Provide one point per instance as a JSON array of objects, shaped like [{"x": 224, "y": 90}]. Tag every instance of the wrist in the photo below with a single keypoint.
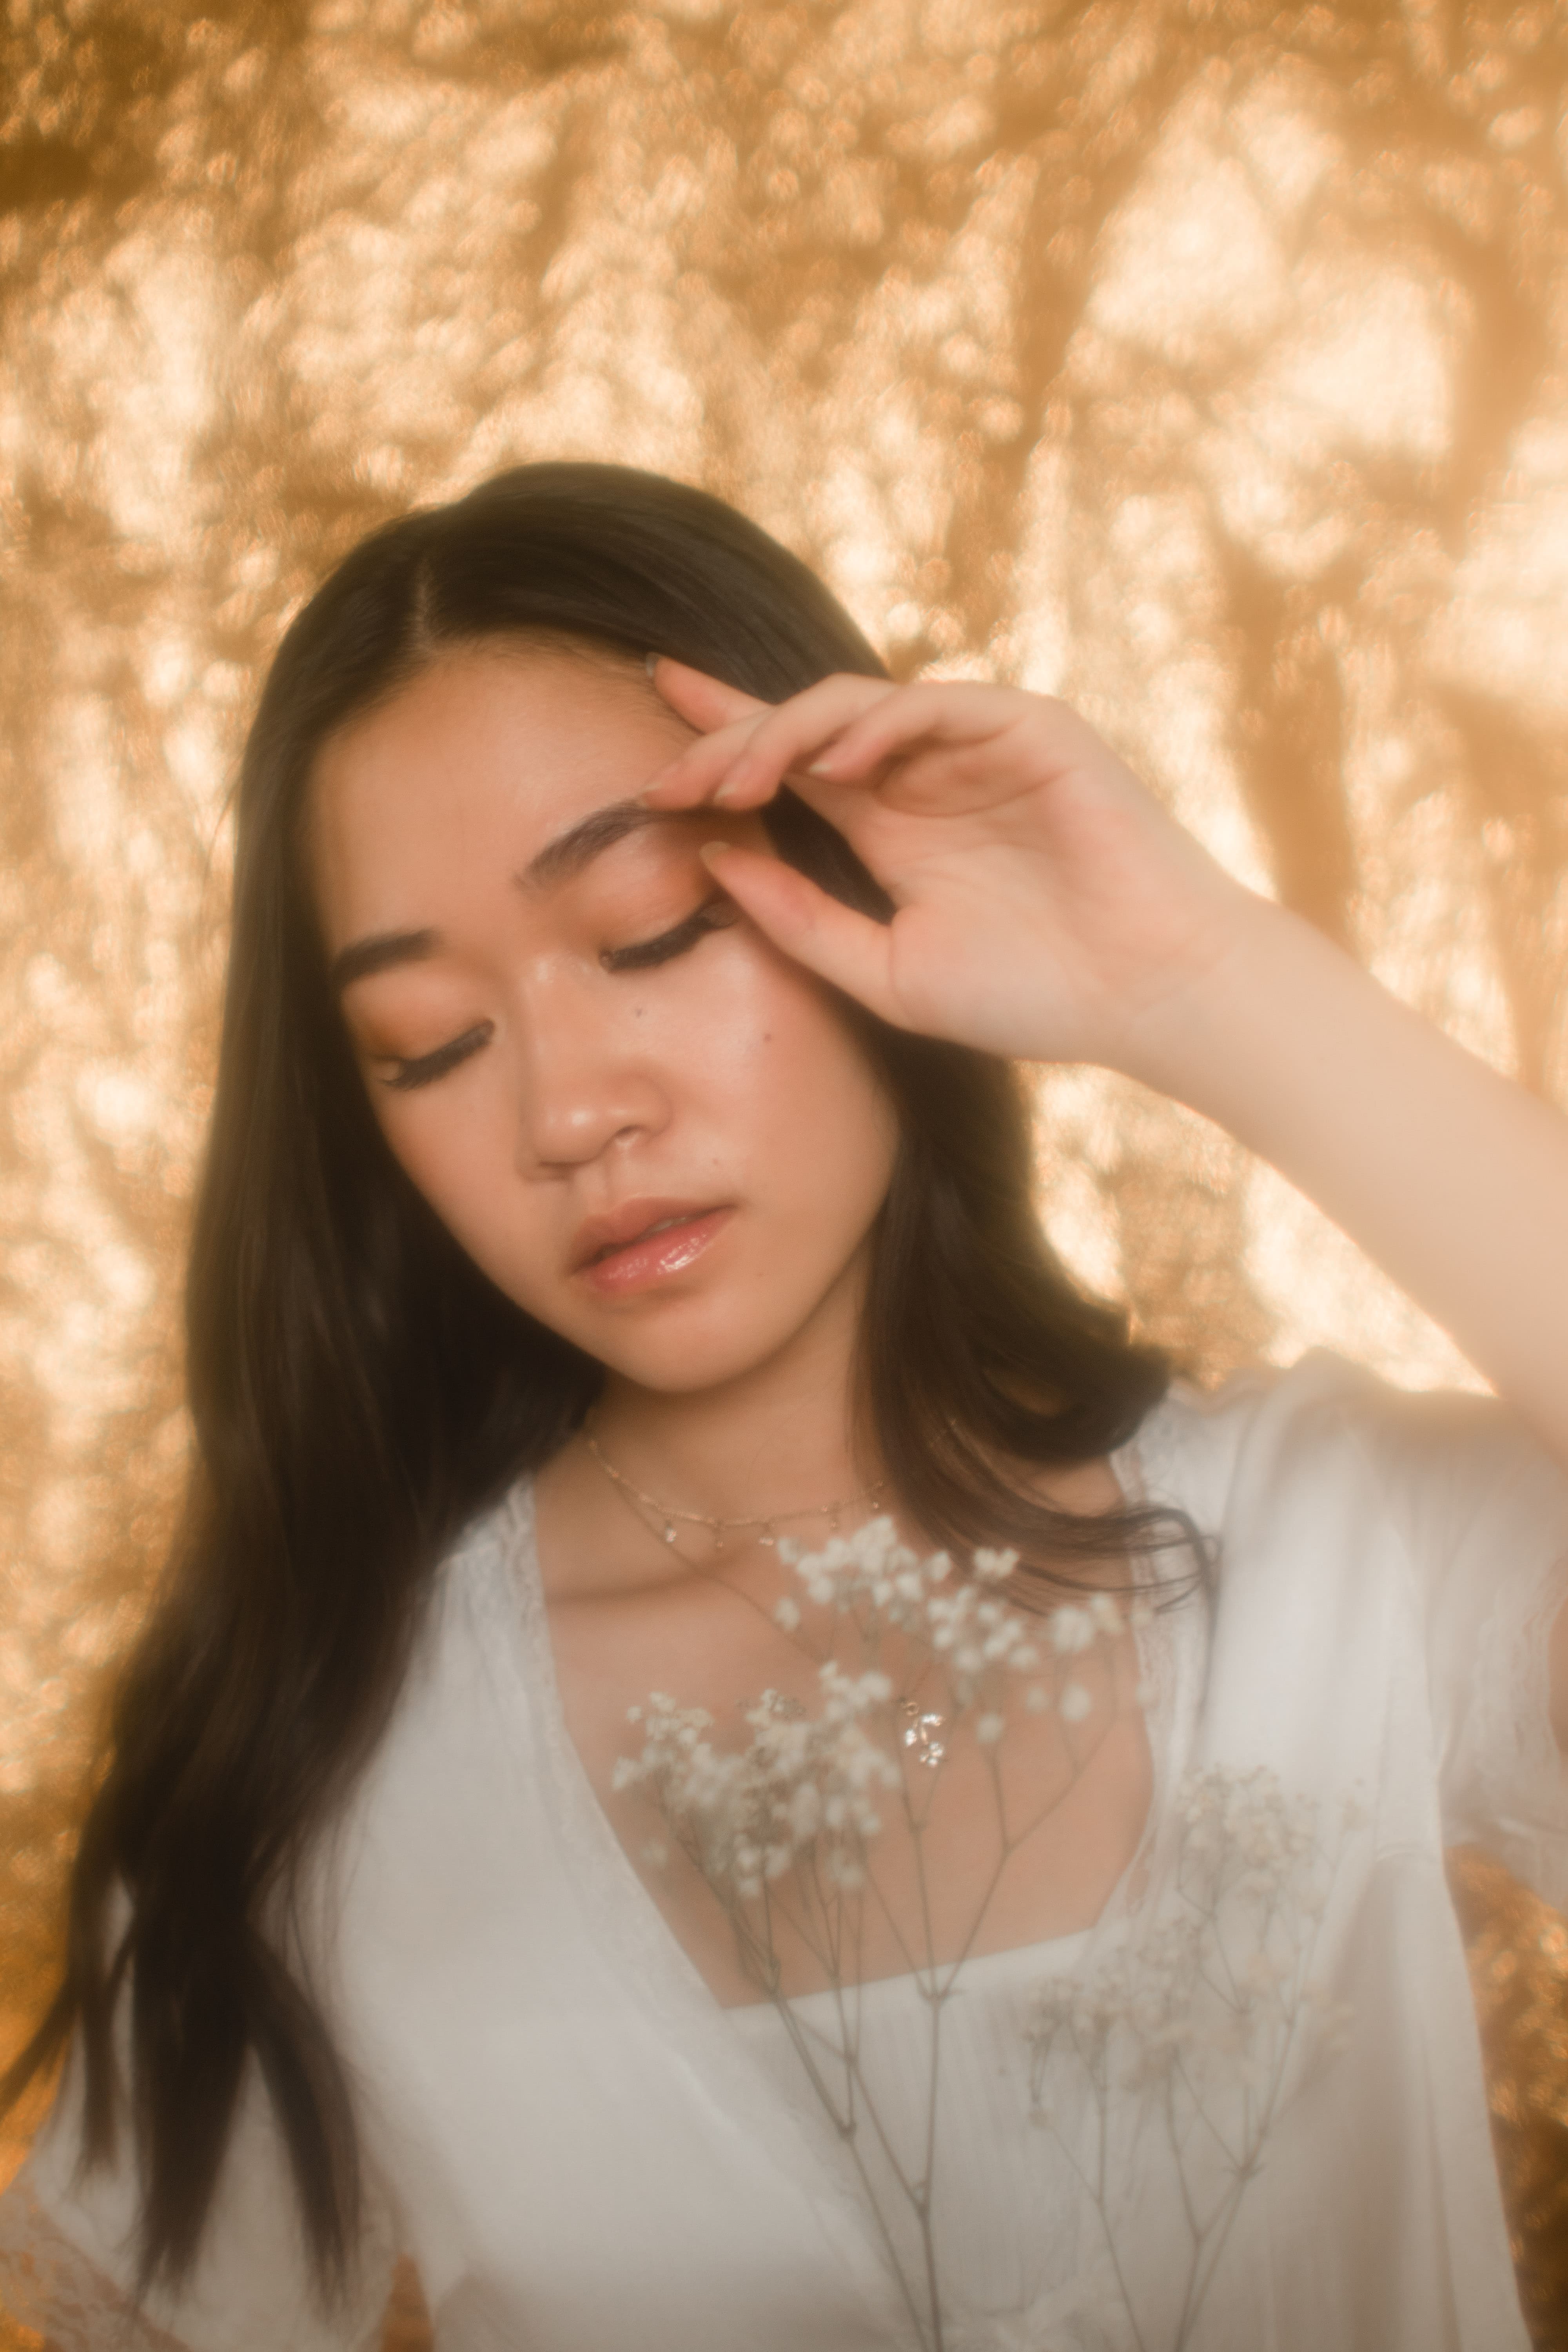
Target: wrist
[{"x": 1261, "y": 1007}]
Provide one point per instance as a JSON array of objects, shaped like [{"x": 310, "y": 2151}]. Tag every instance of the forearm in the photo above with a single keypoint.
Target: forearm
[{"x": 1453, "y": 1179}]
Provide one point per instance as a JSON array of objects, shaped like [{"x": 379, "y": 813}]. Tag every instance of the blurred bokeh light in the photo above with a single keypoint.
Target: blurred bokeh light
[{"x": 1201, "y": 361}]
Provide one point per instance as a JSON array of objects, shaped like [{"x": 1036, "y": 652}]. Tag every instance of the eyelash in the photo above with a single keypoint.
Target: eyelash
[{"x": 714, "y": 914}]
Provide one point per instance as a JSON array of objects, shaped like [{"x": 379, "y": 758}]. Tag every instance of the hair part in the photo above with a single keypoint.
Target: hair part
[{"x": 361, "y": 1391}]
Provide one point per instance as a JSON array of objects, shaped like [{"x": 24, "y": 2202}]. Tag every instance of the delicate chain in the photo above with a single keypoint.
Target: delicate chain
[
  {"x": 663, "y": 1518},
  {"x": 922, "y": 1727}
]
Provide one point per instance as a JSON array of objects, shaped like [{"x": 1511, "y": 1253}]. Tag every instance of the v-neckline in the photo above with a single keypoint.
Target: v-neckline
[{"x": 601, "y": 1860}]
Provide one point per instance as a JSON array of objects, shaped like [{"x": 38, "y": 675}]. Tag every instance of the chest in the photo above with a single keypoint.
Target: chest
[{"x": 981, "y": 1843}]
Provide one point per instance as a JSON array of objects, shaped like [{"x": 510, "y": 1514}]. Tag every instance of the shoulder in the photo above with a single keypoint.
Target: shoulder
[
  {"x": 1333, "y": 1429},
  {"x": 1212, "y": 1451},
  {"x": 1332, "y": 1474},
  {"x": 467, "y": 1627}
]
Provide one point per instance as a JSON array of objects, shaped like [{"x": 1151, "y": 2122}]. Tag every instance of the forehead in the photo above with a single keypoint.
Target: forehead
[{"x": 493, "y": 750}]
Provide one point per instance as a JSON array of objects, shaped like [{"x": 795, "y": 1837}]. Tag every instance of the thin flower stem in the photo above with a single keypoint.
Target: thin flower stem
[
  {"x": 1096, "y": 2194},
  {"x": 850, "y": 2139}
]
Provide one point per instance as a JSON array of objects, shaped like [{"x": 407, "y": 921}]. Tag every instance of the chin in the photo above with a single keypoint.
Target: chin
[
  {"x": 683, "y": 1355},
  {"x": 681, "y": 1371}
]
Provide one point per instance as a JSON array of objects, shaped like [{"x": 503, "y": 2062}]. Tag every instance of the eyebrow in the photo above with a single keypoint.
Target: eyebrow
[
  {"x": 379, "y": 952},
  {"x": 559, "y": 861}
]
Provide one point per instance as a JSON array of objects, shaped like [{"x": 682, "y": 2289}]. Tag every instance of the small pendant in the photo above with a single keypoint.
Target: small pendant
[
  {"x": 668, "y": 1532},
  {"x": 768, "y": 1538},
  {"x": 922, "y": 1735}
]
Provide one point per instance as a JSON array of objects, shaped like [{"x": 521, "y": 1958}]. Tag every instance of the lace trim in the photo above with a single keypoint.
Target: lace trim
[
  {"x": 1172, "y": 1650},
  {"x": 1515, "y": 1764},
  {"x": 48, "y": 2284},
  {"x": 629, "y": 1923}
]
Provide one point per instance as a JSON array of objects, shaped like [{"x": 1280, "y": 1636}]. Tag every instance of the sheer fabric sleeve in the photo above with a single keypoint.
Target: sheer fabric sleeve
[
  {"x": 48, "y": 2283},
  {"x": 1482, "y": 1512},
  {"x": 68, "y": 2265}
]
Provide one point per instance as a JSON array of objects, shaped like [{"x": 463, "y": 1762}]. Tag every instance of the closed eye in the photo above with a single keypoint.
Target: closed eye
[
  {"x": 715, "y": 915},
  {"x": 428, "y": 1067}
]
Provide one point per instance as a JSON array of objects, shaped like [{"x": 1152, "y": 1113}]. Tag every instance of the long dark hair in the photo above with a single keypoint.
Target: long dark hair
[{"x": 360, "y": 1390}]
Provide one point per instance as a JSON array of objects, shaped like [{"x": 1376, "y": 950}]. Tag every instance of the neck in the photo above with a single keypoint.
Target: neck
[{"x": 777, "y": 1440}]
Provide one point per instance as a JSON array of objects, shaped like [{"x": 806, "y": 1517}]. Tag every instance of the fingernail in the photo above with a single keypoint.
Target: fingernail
[{"x": 712, "y": 849}]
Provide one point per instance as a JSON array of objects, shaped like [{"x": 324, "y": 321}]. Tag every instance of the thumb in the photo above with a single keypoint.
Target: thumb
[{"x": 849, "y": 950}]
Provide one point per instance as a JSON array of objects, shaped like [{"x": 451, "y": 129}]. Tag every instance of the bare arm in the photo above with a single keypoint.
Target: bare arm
[{"x": 1452, "y": 1178}]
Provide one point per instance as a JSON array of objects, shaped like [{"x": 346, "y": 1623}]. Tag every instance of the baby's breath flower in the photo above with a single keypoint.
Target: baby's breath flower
[
  {"x": 786, "y": 1612},
  {"x": 1076, "y": 1702},
  {"x": 1072, "y": 1629},
  {"x": 988, "y": 1729},
  {"x": 995, "y": 1567}
]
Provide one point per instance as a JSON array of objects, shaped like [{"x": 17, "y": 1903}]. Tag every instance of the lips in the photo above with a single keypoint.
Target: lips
[{"x": 643, "y": 1242}]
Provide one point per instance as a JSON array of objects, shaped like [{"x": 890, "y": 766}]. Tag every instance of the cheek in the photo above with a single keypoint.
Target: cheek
[
  {"x": 456, "y": 1146},
  {"x": 782, "y": 1064}
]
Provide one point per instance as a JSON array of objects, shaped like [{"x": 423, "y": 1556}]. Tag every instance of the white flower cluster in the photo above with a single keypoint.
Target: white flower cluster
[
  {"x": 1242, "y": 1837},
  {"x": 970, "y": 1630},
  {"x": 1218, "y": 1973},
  {"x": 807, "y": 1783},
  {"x": 1197, "y": 2028},
  {"x": 803, "y": 1783}
]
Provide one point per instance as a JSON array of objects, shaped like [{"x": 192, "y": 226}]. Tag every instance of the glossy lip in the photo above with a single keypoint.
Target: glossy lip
[{"x": 619, "y": 1252}]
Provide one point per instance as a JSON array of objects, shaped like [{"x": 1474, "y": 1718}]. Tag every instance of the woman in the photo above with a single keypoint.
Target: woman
[{"x": 614, "y": 1169}]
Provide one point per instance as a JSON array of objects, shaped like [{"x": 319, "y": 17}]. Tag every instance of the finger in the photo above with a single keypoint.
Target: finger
[
  {"x": 727, "y": 769},
  {"x": 696, "y": 773},
  {"x": 704, "y": 702},
  {"x": 790, "y": 737},
  {"x": 967, "y": 718},
  {"x": 849, "y": 950}
]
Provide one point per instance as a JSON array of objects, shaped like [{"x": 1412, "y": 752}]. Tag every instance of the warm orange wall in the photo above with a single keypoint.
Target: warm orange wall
[{"x": 1205, "y": 363}]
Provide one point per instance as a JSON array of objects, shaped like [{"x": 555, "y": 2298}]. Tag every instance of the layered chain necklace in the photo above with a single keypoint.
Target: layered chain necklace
[
  {"x": 921, "y": 1728},
  {"x": 665, "y": 1521}
]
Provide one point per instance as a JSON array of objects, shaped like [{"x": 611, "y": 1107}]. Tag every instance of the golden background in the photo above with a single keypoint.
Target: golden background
[{"x": 1201, "y": 361}]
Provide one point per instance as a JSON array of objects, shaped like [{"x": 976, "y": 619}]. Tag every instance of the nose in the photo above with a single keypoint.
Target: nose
[{"x": 584, "y": 1089}]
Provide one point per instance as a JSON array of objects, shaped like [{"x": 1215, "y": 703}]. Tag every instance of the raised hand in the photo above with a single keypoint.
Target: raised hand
[{"x": 1046, "y": 905}]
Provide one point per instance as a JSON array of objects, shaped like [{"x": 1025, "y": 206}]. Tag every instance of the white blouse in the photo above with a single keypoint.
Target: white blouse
[{"x": 583, "y": 2150}]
